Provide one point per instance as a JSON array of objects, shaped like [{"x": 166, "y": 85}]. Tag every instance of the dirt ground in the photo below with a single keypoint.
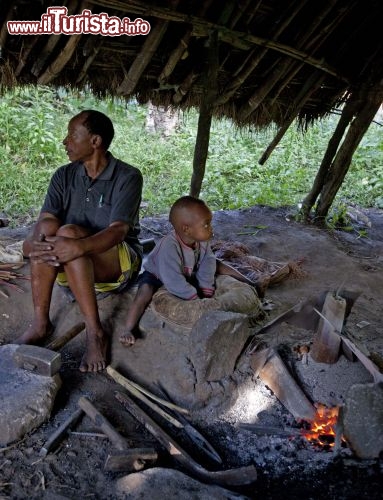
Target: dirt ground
[{"x": 286, "y": 468}]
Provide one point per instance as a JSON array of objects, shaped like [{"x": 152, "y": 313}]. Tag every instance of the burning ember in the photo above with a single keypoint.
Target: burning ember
[{"x": 322, "y": 430}]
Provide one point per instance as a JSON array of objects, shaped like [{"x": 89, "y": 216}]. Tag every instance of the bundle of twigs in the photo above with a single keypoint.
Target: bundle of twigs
[{"x": 8, "y": 275}]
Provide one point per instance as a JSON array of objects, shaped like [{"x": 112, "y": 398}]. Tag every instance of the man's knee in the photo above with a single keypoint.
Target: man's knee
[{"x": 72, "y": 231}]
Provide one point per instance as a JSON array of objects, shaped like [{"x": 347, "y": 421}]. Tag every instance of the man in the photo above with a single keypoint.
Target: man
[{"x": 86, "y": 236}]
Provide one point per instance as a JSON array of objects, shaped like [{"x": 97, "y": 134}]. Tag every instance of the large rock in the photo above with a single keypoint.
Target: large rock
[
  {"x": 192, "y": 348},
  {"x": 160, "y": 483},
  {"x": 26, "y": 398},
  {"x": 363, "y": 419}
]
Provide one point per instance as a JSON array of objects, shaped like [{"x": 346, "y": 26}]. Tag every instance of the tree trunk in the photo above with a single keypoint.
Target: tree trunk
[{"x": 342, "y": 161}]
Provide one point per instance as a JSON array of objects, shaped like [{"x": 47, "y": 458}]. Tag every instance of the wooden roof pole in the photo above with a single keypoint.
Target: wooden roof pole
[
  {"x": 311, "y": 86},
  {"x": 64, "y": 56},
  {"x": 4, "y": 30},
  {"x": 52, "y": 42},
  {"x": 342, "y": 160},
  {"x": 232, "y": 88},
  {"x": 180, "y": 49},
  {"x": 260, "y": 94},
  {"x": 348, "y": 112},
  {"x": 194, "y": 74},
  {"x": 185, "y": 86},
  {"x": 315, "y": 43},
  {"x": 144, "y": 57},
  {"x": 241, "y": 10},
  {"x": 58, "y": 64},
  {"x": 25, "y": 54},
  {"x": 205, "y": 116},
  {"x": 92, "y": 48},
  {"x": 202, "y": 27}
]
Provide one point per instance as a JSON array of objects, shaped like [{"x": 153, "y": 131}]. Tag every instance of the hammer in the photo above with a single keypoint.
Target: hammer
[{"x": 45, "y": 360}]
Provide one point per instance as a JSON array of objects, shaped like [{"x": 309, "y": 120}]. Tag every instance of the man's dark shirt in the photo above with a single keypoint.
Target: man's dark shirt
[{"x": 115, "y": 195}]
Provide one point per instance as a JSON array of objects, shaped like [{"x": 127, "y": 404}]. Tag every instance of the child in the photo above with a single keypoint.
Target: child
[{"x": 182, "y": 261}]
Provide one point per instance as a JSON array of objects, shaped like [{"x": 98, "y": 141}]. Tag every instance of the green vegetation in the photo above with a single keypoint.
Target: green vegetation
[{"x": 33, "y": 123}]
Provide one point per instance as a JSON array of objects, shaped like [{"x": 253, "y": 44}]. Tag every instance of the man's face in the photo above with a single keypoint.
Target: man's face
[{"x": 79, "y": 142}]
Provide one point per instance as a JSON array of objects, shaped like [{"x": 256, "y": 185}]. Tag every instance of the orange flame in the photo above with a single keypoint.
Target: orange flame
[{"x": 324, "y": 424}]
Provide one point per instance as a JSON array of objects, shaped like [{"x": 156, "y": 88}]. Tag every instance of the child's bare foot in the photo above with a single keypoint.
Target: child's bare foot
[
  {"x": 35, "y": 334},
  {"x": 127, "y": 339},
  {"x": 94, "y": 358}
]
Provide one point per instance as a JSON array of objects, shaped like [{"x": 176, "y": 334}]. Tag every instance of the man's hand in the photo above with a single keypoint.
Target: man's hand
[
  {"x": 64, "y": 249},
  {"x": 42, "y": 251}
]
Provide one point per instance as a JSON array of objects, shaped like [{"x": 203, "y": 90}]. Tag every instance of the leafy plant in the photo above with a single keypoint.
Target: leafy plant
[{"x": 33, "y": 124}]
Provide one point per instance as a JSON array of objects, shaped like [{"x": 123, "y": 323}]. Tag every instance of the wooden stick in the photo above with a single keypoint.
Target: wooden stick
[
  {"x": 59, "y": 63},
  {"x": 251, "y": 66},
  {"x": 57, "y": 436},
  {"x": 58, "y": 343},
  {"x": 101, "y": 422},
  {"x": 234, "y": 477},
  {"x": 131, "y": 460},
  {"x": 366, "y": 362},
  {"x": 145, "y": 55},
  {"x": 202, "y": 27},
  {"x": 128, "y": 384},
  {"x": 275, "y": 375}
]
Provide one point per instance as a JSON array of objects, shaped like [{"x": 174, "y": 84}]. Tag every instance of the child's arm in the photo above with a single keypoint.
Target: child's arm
[
  {"x": 206, "y": 271},
  {"x": 166, "y": 262}
]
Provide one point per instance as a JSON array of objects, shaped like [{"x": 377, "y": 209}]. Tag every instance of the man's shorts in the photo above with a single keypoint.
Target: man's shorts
[{"x": 130, "y": 264}]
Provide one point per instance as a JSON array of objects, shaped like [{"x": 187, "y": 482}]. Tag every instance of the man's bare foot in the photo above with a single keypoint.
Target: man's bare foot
[
  {"x": 35, "y": 334},
  {"x": 94, "y": 359},
  {"x": 127, "y": 339}
]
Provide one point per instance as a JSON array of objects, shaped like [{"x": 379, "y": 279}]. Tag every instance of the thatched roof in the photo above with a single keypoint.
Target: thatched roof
[{"x": 255, "y": 61}]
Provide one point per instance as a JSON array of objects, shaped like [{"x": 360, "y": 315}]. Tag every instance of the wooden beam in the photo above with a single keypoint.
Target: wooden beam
[
  {"x": 305, "y": 41},
  {"x": 348, "y": 111},
  {"x": 144, "y": 57},
  {"x": 342, "y": 160},
  {"x": 91, "y": 49},
  {"x": 311, "y": 86},
  {"x": 202, "y": 27},
  {"x": 24, "y": 53},
  {"x": 60, "y": 62},
  {"x": 327, "y": 341},
  {"x": 181, "y": 48},
  {"x": 205, "y": 116},
  {"x": 185, "y": 86},
  {"x": 268, "y": 365},
  {"x": 52, "y": 41},
  {"x": 4, "y": 29},
  {"x": 248, "y": 69}
]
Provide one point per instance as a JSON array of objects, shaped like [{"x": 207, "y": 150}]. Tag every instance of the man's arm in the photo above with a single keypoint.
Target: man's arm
[{"x": 66, "y": 249}]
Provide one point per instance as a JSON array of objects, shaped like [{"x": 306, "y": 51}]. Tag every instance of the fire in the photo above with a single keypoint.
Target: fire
[{"x": 322, "y": 430}]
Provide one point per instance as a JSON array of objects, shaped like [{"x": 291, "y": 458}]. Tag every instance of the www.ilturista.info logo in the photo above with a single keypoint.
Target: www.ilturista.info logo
[{"x": 56, "y": 21}]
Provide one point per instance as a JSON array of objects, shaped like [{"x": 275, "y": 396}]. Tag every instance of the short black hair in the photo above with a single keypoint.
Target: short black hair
[
  {"x": 100, "y": 124},
  {"x": 185, "y": 203}
]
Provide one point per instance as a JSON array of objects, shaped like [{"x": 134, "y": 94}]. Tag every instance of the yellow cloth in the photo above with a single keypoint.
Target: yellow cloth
[{"x": 129, "y": 263}]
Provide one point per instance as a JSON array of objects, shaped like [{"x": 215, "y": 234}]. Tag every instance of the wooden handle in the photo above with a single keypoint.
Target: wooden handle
[
  {"x": 58, "y": 343},
  {"x": 101, "y": 422},
  {"x": 59, "y": 434}
]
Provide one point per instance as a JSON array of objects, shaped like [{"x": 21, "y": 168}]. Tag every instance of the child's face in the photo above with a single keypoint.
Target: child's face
[{"x": 201, "y": 228}]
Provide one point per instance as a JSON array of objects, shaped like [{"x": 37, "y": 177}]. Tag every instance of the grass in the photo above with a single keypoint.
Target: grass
[{"x": 33, "y": 123}]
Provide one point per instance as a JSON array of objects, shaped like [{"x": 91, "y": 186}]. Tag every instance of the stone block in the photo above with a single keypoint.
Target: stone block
[
  {"x": 363, "y": 419},
  {"x": 26, "y": 398}
]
